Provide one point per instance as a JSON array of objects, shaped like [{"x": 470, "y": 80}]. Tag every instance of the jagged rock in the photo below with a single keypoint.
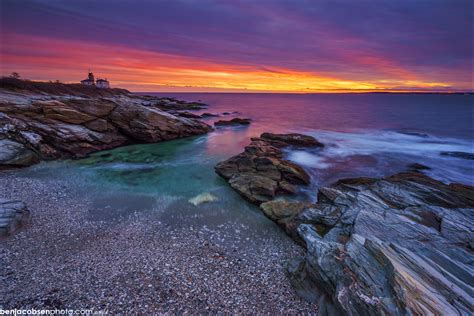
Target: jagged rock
[
  {"x": 13, "y": 216},
  {"x": 260, "y": 172},
  {"x": 400, "y": 245},
  {"x": 168, "y": 104},
  {"x": 281, "y": 209},
  {"x": 292, "y": 139},
  {"x": 234, "y": 121},
  {"x": 283, "y": 213},
  {"x": 71, "y": 126},
  {"x": 189, "y": 115},
  {"x": 14, "y": 154},
  {"x": 203, "y": 115},
  {"x": 230, "y": 113}
]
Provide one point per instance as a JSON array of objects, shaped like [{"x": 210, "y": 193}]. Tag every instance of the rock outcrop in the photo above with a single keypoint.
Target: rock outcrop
[
  {"x": 13, "y": 216},
  {"x": 14, "y": 155},
  {"x": 234, "y": 121},
  {"x": 36, "y": 126},
  {"x": 207, "y": 114},
  {"x": 298, "y": 140},
  {"x": 260, "y": 172},
  {"x": 188, "y": 115},
  {"x": 400, "y": 245}
]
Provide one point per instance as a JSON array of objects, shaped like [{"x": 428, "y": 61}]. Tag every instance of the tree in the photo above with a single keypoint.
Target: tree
[{"x": 15, "y": 75}]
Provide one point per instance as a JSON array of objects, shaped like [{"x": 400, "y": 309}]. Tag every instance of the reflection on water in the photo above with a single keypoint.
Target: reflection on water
[{"x": 365, "y": 135}]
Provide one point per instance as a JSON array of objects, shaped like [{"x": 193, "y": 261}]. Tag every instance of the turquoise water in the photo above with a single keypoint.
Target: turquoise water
[
  {"x": 158, "y": 180},
  {"x": 363, "y": 137}
]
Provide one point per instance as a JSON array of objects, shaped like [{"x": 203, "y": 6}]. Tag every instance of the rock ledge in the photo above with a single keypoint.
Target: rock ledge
[
  {"x": 260, "y": 172},
  {"x": 397, "y": 245}
]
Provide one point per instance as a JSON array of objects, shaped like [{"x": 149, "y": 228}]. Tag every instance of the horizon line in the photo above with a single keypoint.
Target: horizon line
[{"x": 247, "y": 91}]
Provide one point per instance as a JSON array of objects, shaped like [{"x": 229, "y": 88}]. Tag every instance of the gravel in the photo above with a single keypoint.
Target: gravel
[{"x": 137, "y": 264}]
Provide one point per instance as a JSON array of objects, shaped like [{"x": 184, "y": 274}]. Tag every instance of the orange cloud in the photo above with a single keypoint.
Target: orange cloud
[{"x": 40, "y": 58}]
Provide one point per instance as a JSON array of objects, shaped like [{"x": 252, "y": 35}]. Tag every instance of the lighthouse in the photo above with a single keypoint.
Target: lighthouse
[
  {"x": 90, "y": 81},
  {"x": 100, "y": 83}
]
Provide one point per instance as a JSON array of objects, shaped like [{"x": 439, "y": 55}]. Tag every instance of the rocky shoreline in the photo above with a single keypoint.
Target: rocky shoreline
[
  {"x": 398, "y": 245},
  {"x": 64, "y": 259},
  {"x": 36, "y": 125},
  {"x": 260, "y": 173},
  {"x": 401, "y": 244}
]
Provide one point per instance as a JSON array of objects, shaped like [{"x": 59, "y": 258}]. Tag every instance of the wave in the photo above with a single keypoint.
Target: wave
[
  {"x": 378, "y": 152},
  {"x": 370, "y": 142}
]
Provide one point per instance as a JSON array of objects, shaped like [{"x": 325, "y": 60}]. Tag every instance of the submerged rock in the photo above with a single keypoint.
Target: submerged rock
[
  {"x": 202, "y": 198},
  {"x": 292, "y": 139},
  {"x": 171, "y": 104},
  {"x": 203, "y": 115},
  {"x": 230, "y": 113},
  {"x": 418, "y": 167},
  {"x": 458, "y": 154},
  {"x": 234, "y": 121},
  {"x": 71, "y": 126},
  {"x": 13, "y": 216},
  {"x": 260, "y": 172},
  {"x": 398, "y": 245}
]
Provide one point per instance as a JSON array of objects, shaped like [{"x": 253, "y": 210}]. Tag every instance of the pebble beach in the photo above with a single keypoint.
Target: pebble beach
[{"x": 136, "y": 264}]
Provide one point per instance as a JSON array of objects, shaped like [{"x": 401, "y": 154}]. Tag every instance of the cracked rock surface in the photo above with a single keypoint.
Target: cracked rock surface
[
  {"x": 260, "y": 173},
  {"x": 13, "y": 216},
  {"x": 44, "y": 126},
  {"x": 397, "y": 245}
]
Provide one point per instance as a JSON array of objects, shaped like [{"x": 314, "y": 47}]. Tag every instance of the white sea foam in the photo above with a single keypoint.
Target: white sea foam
[
  {"x": 373, "y": 142},
  {"x": 308, "y": 159},
  {"x": 389, "y": 151}
]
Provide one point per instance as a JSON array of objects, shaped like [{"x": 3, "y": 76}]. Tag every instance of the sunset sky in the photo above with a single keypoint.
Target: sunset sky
[{"x": 263, "y": 45}]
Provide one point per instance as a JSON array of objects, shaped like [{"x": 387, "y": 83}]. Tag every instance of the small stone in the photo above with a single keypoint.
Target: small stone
[{"x": 203, "y": 198}]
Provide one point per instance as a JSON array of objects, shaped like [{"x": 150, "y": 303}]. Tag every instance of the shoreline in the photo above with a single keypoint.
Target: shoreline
[
  {"x": 65, "y": 260},
  {"x": 145, "y": 262}
]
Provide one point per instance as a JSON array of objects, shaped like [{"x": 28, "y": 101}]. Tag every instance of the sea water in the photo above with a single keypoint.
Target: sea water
[{"x": 372, "y": 135}]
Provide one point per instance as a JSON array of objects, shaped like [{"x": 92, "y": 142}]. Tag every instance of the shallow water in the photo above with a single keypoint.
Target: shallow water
[{"x": 365, "y": 135}]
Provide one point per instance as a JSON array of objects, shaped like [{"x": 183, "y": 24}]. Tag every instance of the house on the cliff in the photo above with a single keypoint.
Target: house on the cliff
[
  {"x": 90, "y": 81},
  {"x": 100, "y": 83}
]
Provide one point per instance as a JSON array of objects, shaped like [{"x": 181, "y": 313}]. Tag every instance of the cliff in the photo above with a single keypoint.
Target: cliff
[{"x": 44, "y": 121}]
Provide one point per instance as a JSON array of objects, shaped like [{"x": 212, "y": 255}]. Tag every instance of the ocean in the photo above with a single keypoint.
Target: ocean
[
  {"x": 365, "y": 134},
  {"x": 371, "y": 135}
]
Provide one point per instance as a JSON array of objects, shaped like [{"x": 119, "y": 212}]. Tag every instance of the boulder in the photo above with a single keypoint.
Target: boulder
[
  {"x": 234, "y": 121},
  {"x": 292, "y": 139},
  {"x": 255, "y": 188},
  {"x": 400, "y": 245},
  {"x": 230, "y": 113},
  {"x": 65, "y": 126},
  {"x": 207, "y": 114},
  {"x": 281, "y": 209},
  {"x": 203, "y": 198},
  {"x": 260, "y": 173},
  {"x": 14, "y": 154},
  {"x": 13, "y": 216}
]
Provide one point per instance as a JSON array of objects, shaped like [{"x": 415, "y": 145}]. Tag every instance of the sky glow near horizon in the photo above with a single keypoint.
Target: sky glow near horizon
[{"x": 224, "y": 46}]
